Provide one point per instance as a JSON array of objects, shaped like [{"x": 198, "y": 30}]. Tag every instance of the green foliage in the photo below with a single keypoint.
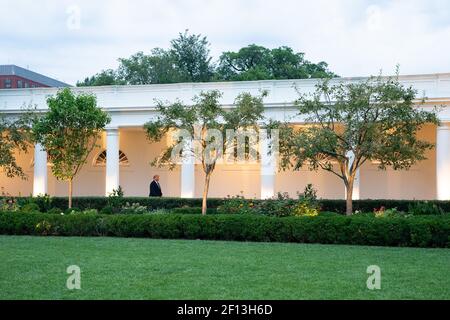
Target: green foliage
[
  {"x": 385, "y": 213},
  {"x": 304, "y": 209},
  {"x": 236, "y": 205},
  {"x": 281, "y": 206},
  {"x": 69, "y": 132},
  {"x": 188, "y": 59},
  {"x": 108, "y": 210},
  {"x": 118, "y": 193},
  {"x": 14, "y": 137},
  {"x": 30, "y": 207},
  {"x": 104, "y": 78},
  {"x": 413, "y": 231},
  {"x": 72, "y": 211},
  {"x": 134, "y": 208},
  {"x": 44, "y": 202},
  {"x": 90, "y": 211},
  {"x": 55, "y": 211},
  {"x": 191, "y": 210},
  {"x": 185, "y": 205},
  {"x": 9, "y": 204},
  {"x": 115, "y": 199},
  {"x": 192, "y": 57},
  {"x": 352, "y": 123},
  {"x": 424, "y": 208},
  {"x": 155, "y": 68},
  {"x": 259, "y": 63},
  {"x": 157, "y": 211},
  {"x": 43, "y": 228},
  {"x": 195, "y": 123}
]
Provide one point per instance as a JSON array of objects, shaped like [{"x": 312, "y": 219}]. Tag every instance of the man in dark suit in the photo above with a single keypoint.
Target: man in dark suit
[{"x": 155, "y": 187}]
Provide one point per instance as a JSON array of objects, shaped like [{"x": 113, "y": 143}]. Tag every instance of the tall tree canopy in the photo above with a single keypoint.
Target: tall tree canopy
[
  {"x": 352, "y": 123},
  {"x": 104, "y": 78},
  {"x": 259, "y": 63},
  {"x": 188, "y": 59},
  {"x": 158, "y": 67},
  {"x": 192, "y": 57},
  {"x": 69, "y": 132}
]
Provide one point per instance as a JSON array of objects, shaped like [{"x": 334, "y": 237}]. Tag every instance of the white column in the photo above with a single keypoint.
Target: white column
[
  {"x": 443, "y": 161},
  {"x": 40, "y": 171},
  {"x": 112, "y": 160},
  {"x": 356, "y": 186},
  {"x": 188, "y": 173},
  {"x": 268, "y": 154}
]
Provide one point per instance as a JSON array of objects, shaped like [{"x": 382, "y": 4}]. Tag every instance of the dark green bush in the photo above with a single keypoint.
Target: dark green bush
[
  {"x": 151, "y": 203},
  {"x": 107, "y": 210},
  {"x": 424, "y": 208},
  {"x": 190, "y": 210},
  {"x": 413, "y": 231},
  {"x": 30, "y": 207},
  {"x": 337, "y": 206},
  {"x": 72, "y": 210}
]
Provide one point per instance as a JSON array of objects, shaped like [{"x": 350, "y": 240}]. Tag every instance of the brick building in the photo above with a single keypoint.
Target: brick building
[{"x": 13, "y": 77}]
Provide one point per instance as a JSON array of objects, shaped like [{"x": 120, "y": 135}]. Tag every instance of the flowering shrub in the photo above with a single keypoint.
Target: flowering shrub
[
  {"x": 236, "y": 205},
  {"x": 304, "y": 209},
  {"x": 281, "y": 206},
  {"x": 9, "y": 204},
  {"x": 382, "y": 212},
  {"x": 134, "y": 208},
  {"x": 44, "y": 228}
]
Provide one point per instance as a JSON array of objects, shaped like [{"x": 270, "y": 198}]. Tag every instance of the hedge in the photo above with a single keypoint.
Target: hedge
[
  {"x": 99, "y": 203},
  {"x": 414, "y": 231},
  {"x": 337, "y": 206}
]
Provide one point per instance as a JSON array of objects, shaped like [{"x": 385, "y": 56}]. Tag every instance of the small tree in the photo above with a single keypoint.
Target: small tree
[
  {"x": 203, "y": 128},
  {"x": 351, "y": 123},
  {"x": 69, "y": 132},
  {"x": 14, "y": 136}
]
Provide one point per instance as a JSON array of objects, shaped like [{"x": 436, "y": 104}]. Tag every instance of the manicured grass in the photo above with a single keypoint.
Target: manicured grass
[{"x": 115, "y": 268}]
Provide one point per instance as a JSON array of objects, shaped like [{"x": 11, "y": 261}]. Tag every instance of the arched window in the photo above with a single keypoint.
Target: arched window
[{"x": 100, "y": 160}]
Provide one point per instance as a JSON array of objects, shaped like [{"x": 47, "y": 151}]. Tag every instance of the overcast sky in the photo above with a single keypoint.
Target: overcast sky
[{"x": 70, "y": 40}]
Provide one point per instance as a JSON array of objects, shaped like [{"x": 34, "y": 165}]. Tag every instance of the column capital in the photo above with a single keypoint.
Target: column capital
[
  {"x": 444, "y": 126},
  {"x": 112, "y": 130}
]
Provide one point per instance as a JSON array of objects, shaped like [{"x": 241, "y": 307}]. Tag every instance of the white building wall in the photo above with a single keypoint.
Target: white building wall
[{"x": 132, "y": 106}]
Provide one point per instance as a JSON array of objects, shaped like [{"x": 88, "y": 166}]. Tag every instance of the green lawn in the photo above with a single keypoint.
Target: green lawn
[{"x": 113, "y": 268}]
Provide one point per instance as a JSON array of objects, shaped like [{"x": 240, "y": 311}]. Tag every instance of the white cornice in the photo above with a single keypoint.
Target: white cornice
[{"x": 139, "y": 101}]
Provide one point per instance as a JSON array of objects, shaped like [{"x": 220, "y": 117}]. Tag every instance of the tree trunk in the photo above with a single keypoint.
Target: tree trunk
[
  {"x": 349, "y": 199},
  {"x": 70, "y": 193},
  {"x": 205, "y": 193}
]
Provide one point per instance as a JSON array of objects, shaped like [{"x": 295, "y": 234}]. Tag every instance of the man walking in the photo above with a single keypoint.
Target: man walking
[{"x": 155, "y": 187}]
